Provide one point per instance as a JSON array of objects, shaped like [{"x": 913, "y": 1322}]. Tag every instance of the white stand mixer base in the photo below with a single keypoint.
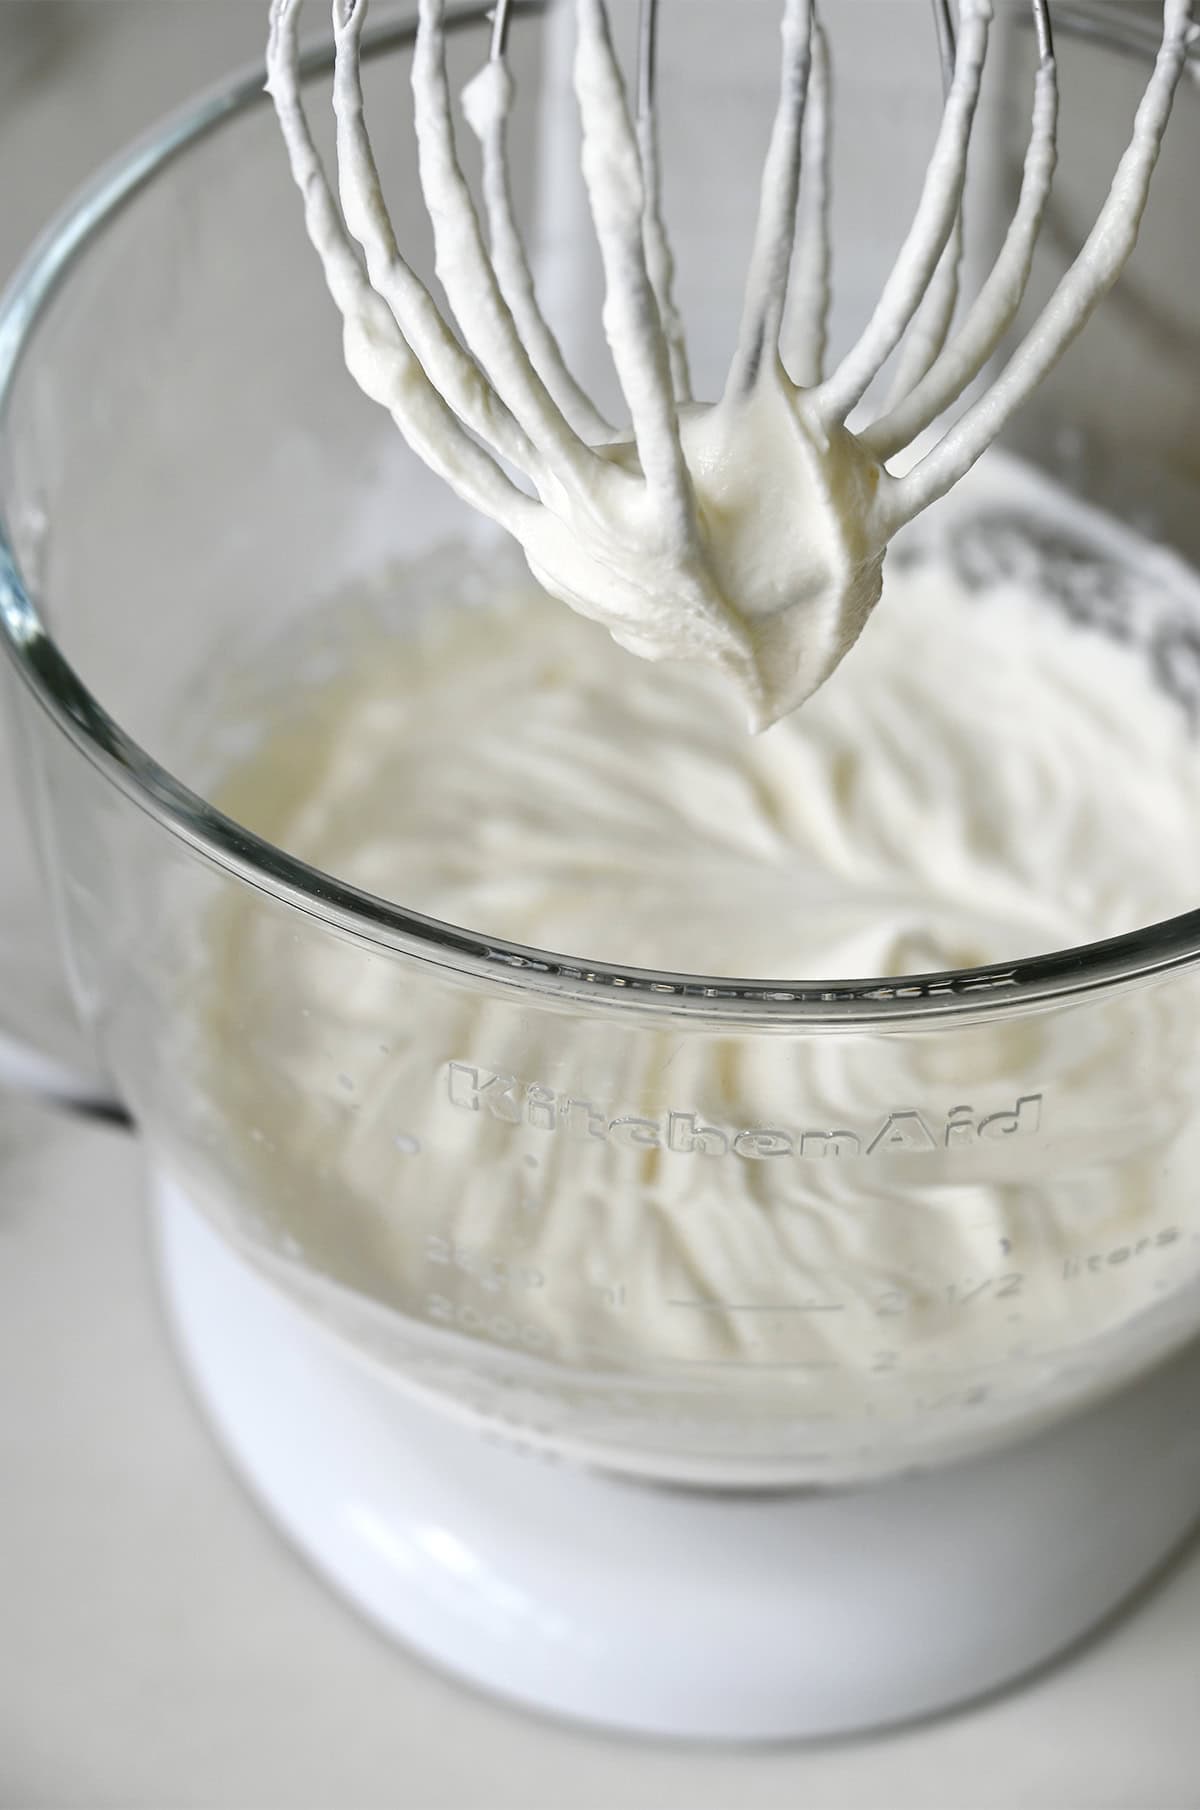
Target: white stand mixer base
[{"x": 667, "y": 1612}]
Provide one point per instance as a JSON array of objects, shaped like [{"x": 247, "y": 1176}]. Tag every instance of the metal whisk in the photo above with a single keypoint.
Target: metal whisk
[{"x": 619, "y": 523}]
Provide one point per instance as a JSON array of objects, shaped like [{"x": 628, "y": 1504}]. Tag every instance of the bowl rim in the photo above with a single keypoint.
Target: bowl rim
[{"x": 874, "y": 1003}]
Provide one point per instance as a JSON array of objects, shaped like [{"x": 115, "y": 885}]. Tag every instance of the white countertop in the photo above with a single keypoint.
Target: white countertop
[{"x": 159, "y": 1645}]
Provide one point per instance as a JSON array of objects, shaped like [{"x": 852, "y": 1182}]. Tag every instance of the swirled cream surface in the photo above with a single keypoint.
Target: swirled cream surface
[{"x": 869, "y": 1226}]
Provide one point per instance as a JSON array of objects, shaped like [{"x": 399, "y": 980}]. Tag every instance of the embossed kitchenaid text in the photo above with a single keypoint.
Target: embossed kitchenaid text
[{"x": 905, "y": 1131}]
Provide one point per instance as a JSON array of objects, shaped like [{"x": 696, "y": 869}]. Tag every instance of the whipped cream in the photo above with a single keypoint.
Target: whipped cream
[{"x": 862, "y": 1229}]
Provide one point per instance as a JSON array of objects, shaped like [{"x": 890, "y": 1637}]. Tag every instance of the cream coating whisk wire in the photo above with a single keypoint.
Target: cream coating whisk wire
[{"x": 749, "y": 532}]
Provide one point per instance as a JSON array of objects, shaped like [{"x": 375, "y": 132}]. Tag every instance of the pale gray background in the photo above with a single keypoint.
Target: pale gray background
[{"x": 159, "y": 1647}]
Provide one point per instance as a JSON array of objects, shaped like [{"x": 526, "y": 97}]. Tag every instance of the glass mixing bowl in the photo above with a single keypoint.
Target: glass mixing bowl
[{"x": 187, "y": 476}]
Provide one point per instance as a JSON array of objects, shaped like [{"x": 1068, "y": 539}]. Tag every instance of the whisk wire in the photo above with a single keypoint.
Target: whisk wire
[
  {"x": 647, "y": 71},
  {"x": 931, "y": 324},
  {"x": 613, "y": 177},
  {"x": 501, "y": 19},
  {"x": 1000, "y": 296},
  {"x": 1100, "y": 262},
  {"x": 488, "y": 104},
  {"x": 377, "y": 351},
  {"x": 467, "y": 274},
  {"x": 933, "y": 223},
  {"x": 452, "y": 371},
  {"x": 943, "y": 21},
  {"x": 804, "y": 338},
  {"x": 660, "y": 261},
  {"x": 774, "y": 236}
]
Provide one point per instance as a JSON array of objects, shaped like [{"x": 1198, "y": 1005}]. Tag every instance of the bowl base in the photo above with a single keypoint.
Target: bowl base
[{"x": 663, "y": 1611}]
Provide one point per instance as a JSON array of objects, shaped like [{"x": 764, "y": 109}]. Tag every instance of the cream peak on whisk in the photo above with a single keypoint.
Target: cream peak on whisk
[{"x": 749, "y": 532}]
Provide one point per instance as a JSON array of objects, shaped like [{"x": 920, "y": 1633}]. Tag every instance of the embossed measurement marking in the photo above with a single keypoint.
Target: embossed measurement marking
[{"x": 761, "y": 1307}]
